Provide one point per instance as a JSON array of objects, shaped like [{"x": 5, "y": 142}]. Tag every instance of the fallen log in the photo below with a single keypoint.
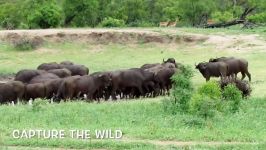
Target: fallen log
[{"x": 241, "y": 20}]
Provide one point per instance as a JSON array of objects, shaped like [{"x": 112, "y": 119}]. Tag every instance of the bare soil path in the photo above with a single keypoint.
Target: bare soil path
[{"x": 153, "y": 142}]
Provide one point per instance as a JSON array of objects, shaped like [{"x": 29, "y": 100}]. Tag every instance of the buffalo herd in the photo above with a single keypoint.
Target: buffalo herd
[{"x": 66, "y": 80}]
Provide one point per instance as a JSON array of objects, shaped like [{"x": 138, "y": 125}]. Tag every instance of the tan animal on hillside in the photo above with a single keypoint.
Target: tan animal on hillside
[
  {"x": 210, "y": 21},
  {"x": 163, "y": 24},
  {"x": 171, "y": 24}
]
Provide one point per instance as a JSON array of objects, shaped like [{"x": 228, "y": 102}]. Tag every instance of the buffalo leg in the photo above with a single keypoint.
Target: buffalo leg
[
  {"x": 249, "y": 76},
  {"x": 243, "y": 75}
]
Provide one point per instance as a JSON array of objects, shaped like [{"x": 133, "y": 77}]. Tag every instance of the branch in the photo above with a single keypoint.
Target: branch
[{"x": 241, "y": 19}]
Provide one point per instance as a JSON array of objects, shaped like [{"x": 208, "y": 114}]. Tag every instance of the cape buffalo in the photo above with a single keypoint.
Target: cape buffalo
[
  {"x": 11, "y": 91},
  {"x": 62, "y": 73},
  {"x": 163, "y": 74},
  {"x": 26, "y": 75},
  {"x": 235, "y": 65},
  {"x": 43, "y": 77},
  {"x": 66, "y": 63},
  {"x": 78, "y": 86},
  {"x": 52, "y": 87},
  {"x": 36, "y": 90},
  {"x": 67, "y": 88},
  {"x": 242, "y": 85},
  {"x": 49, "y": 66},
  {"x": 172, "y": 60},
  {"x": 213, "y": 69},
  {"x": 77, "y": 69},
  {"x": 146, "y": 66}
]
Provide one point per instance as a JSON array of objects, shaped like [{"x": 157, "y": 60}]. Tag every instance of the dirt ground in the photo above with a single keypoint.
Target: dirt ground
[
  {"x": 221, "y": 41},
  {"x": 154, "y": 142}
]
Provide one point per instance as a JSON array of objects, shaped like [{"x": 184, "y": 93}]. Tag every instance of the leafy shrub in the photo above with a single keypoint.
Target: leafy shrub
[
  {"x": 45, "y": 16},
  {"x": 112, "y": 22},
  {"x": 204, "y": 106},
  {"x": 23, "y": 26},
  {"x": 222, "y": 16},
  {"x": 9, "y": 15},
  {"x": 80, "y": 13},
  {"x": 258, "y": 18},
  {"x": 24, "y": 43},
  {"x": 211, "y": 89},
  {"x": 9, "y": 23},
  {"x": 232, "y": 95},
  {"x": 207, "y": 101},
  {"x": 181, "y": 91}
]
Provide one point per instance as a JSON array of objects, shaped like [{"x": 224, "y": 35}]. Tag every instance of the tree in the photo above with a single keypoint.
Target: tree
[
  {"x": 135, "y": 10},
  {"x": 42, "y": 14},
  {"x": 162, "y": 10},
  {"x": 81, "y": 12},
  {"x": 248, "y": 7},
  {"x": 196, "y": 12},
  {"x": 10, "y": 15}
]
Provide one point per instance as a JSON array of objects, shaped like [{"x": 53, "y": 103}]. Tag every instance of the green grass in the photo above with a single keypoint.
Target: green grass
[{"x": 138, "y": 119}]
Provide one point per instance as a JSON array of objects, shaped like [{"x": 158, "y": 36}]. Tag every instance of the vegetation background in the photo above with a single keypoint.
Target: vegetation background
[{"x": 31, "y": 14}]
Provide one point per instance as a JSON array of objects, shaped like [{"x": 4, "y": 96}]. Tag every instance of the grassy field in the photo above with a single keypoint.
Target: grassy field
[
  {"x": 138, "y": 119},
  {"x": 144, "y": 120}
]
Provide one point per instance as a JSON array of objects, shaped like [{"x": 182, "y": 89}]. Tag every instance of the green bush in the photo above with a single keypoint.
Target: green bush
[
  {"x": 232, "y": 96},
  {"x": 181, "y": 93},
  {"x": 81, "y": 13},
  {"x": 112, "y": 22},
  {"x": 211, "y": 89},
  {"x": 204, "y": 106},
  {"x": 207, "y": 101},
  {"x": 9, "y": 15},
  {"x": 258, "y": 18},
  {"x": 222, "y": 16},
  {"x": 23, "y": 26},
  {"x": 45, "y": 16}
]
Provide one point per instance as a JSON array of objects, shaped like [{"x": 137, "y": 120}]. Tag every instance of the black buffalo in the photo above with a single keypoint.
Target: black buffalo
[
  {"x": 67, "y": 62},
  {"x": 49, "y": 66},
  {"x": 26, "y": 75},
  {"x": 77, "y": 69},
  {"x": 11, "y": 91},
  {"x": 43, "y": 77},
  {"x": 213, "y": 69},
  {"x": 235, "y": 65},
  {"x": 36, "y": 90},
  {"x": 62, "y": 73}
]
